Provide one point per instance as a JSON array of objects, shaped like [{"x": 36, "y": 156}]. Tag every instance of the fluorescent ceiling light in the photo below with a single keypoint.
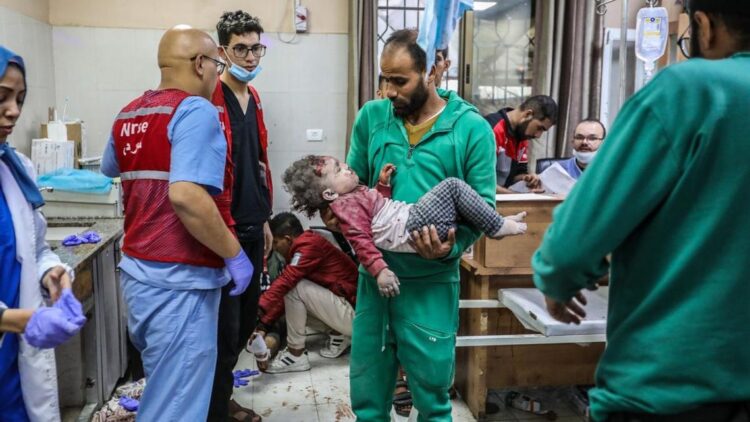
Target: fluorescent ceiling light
[{"x": 483, "y": 5}]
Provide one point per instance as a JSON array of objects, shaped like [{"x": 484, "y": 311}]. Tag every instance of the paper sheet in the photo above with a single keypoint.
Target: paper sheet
[
  {"x": 556, "y": 180},
  {"x": 519, "y": 187}
]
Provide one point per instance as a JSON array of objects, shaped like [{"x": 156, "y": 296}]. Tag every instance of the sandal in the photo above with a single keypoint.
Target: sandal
[
  {"x": 453, "y": 393},
  {"x": 243, "y": 414},
  {"x": 402, "y": 401}
]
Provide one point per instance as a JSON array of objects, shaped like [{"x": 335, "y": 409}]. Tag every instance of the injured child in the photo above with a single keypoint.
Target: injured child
[{"x": 370, "y": 219}]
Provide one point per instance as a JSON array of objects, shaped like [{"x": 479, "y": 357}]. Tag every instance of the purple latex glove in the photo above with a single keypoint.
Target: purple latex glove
[
  {"x": 49, "y": 327},
  {"x": 241, "y": 270},
  {"x": 77, "y": 239},
  {"x": 129, "y": 404},
  {"x": 71, "y": 307},
  {"x": 72, "y": 240},
  {"x": 239, "y": 376},
  {"x": 91, "y": 237},
  {"x": 239, "y": 382}
]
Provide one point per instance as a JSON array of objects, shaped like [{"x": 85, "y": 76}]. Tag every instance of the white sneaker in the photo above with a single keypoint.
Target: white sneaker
[
  {"x": 287, "y": 362},
  {"x": 335, "y": 346}
]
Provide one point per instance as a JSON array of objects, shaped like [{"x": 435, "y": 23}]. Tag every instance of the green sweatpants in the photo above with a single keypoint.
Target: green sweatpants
[{"x": 416, "y": 329}]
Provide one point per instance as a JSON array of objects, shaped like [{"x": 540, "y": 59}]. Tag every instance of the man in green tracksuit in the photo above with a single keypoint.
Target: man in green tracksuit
[
  {"x": 669, "y": 197},
  {"x": 429, "y": 135}
]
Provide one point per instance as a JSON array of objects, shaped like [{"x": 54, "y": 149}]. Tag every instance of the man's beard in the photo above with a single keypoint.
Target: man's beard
[
  {"x": 416, "y": 101},
  {"x": 519, "y": 133}
]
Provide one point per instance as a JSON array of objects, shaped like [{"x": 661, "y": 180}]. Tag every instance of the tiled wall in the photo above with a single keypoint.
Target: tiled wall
[
  {"x": 32, "y": 39},
  {"x": 302, "y": 86}
]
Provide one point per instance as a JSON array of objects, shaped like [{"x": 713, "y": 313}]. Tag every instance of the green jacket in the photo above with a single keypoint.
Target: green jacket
[
  {"x": 460, "y": 144},
  {"x": 668, "y": 195}
]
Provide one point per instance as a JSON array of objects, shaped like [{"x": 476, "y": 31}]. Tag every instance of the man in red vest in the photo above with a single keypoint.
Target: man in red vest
[
  {"x": 241, "y": 112},
  {"x": 513, "y": 129},
  {"x": 168, "y": 148}
]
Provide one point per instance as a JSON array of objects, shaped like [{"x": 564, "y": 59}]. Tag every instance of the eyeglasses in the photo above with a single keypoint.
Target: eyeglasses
[
  {"x": 240, "y": 50},
  {"x": 220, "y": 65},
  {"x": 684, "y": 43},
  {"x": 590, "y": 138}
]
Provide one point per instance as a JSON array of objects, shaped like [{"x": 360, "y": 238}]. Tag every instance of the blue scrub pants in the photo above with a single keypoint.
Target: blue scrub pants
[{"x": 175, "y": 331}]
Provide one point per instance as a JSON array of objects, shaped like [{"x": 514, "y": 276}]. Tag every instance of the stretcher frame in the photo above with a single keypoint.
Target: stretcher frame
[{"x": 495, "y": 351}]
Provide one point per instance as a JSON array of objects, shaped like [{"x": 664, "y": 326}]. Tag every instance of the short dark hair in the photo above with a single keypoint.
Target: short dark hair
[
  {"x": 236, "y": 23},
  {"x": 543, "y": 106},
  {"x": 738, "y": 26},
  {"x": 734, "y": 14},
  {"x": 407, "y": 38},
  {"x": 285, "y": 224},
  {"x": 381, "y": 79},
  {"x": 444, "y": 52},
  {"x": 597, "y": 121}
]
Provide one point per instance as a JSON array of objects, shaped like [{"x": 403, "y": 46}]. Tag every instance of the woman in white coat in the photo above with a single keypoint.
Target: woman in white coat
[{"x": 30, "y": 276}]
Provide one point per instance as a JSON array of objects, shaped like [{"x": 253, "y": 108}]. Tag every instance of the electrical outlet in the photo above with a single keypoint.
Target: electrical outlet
[{"x": 314, "y": 135}]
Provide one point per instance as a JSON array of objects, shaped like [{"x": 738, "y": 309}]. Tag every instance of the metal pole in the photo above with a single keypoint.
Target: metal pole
[{"x": 623, "y": 52}]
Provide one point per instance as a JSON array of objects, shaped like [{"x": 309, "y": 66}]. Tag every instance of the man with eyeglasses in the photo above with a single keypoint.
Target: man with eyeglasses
[
  {"x": 169, "y": 151},
  {"x": 668, "y": 196},
  {"x": 587, "y": 139},
  {"x": 241, "y": 114}
]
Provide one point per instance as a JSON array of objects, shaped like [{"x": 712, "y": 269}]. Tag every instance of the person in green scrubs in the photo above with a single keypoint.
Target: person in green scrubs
[
  {"x": 430, "y": 135},
  {"x": 669, "y": 197}
]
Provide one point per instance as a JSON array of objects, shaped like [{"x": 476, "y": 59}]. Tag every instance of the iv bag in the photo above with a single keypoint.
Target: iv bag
[{"x": 651, "y": 34}]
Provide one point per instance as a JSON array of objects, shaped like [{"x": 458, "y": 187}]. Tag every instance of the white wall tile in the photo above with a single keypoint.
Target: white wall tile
[
  {"x": 303, "y": 86},
  {"x": 31, "y": 39}
]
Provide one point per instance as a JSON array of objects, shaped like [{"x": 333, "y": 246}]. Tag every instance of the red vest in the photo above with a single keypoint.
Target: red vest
[
  {"x": 152, "y": 229},
  {"x": 507, "y": 144},
  {"x": 224, "y": 199},
  {"x": 218, "y": 101}
]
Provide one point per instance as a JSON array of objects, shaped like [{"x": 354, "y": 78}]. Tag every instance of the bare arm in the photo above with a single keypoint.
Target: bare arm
[
  {"x": 198, "y": 212},
  {"x": 502, "y": 190},
  {"x": 15, "y": 320}
]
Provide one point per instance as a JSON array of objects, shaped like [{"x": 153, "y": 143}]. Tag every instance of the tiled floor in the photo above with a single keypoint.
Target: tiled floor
[{"x": 318, "y": 395}]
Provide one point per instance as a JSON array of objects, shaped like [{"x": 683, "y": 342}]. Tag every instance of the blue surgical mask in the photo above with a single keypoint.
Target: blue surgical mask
[
  {"x": 242, "y": 74},
  {"x": 584, "y": 157}
]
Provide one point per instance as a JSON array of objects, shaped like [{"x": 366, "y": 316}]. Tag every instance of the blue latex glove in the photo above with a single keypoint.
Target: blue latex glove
[
  {"x": 50, "y": 327},
  {"x": 129, "y": 404},
  {"x": 77, "y": 239},
  {"x": 72, "y": 240},
  {"x": 239, "y": 382},
  {"x": 239, "y": 376},
  {"x": 91, "y": 237},
  {"x": 71, "y": 307},
  {"x": 241, "y": 270}
]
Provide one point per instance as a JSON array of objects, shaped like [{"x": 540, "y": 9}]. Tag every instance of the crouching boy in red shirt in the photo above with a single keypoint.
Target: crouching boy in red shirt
[{"x": 318, "y": 284}]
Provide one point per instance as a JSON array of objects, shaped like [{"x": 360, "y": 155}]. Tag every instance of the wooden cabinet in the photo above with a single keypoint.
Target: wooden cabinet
[
  {"x": 506, "y": 263},
  {"x": 515, "y": 252}
]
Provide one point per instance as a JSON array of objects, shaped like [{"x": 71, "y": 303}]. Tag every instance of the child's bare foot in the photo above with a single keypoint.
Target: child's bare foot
[{"x": 513, "y": 225}]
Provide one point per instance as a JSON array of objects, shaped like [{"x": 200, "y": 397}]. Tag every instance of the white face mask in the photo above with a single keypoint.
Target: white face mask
[{"x": 584, "y": 157}]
